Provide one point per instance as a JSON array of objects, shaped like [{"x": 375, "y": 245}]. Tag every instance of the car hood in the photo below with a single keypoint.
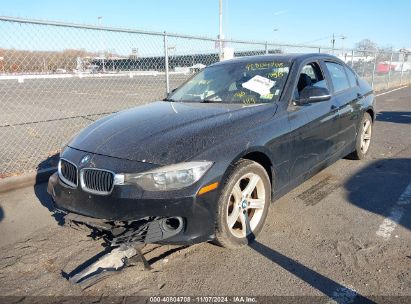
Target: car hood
[{"x": 168, "y": 132}]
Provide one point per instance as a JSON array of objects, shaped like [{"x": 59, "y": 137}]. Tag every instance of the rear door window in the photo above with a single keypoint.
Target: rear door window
[{"x": 338, "y": 77}]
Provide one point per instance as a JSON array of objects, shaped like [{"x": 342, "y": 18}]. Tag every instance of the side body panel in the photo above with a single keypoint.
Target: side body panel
[{"x": 314, "y": 129}]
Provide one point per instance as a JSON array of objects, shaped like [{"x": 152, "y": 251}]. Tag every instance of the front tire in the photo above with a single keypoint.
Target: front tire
[
  {"x": 363, "y": 140},
  {"x": 243, "y": 204}
]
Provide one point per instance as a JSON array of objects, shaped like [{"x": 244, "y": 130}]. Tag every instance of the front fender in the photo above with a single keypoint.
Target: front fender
[{"x": 270, "y": 138}]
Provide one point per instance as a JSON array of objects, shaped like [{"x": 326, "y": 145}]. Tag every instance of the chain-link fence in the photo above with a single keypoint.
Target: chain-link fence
[{"x": 56, "y": 78}]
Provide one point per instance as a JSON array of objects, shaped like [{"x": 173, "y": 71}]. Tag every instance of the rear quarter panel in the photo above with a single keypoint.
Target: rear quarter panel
[{"x": 368, "y": 102}]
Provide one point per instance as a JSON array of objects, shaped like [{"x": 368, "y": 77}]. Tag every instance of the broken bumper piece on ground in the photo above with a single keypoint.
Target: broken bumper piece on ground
[
  {"x": 89, "y": 273},
  {"x": 125, "y": 239}
]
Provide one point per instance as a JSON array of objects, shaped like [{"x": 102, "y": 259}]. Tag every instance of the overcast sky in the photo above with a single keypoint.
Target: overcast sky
[{"x": 310, "y": 22}]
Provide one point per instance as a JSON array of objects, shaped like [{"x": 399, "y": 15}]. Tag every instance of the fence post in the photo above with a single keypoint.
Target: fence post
[
  {"x": 352, "y": 58},
  {"x": 402, "y": 67},
  {"x": 389, "y": 70},
  {"x": 373, "y": 70},
  {"x": 363, "y": 64},
  {"x": 166, "y": 63}
]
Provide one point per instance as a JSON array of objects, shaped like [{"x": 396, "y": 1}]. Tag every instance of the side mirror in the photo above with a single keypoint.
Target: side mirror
[{"x": 311, "y": 94}]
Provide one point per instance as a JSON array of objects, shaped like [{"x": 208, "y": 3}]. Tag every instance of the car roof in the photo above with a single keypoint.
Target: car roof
[{"x": 280, "y": 57}]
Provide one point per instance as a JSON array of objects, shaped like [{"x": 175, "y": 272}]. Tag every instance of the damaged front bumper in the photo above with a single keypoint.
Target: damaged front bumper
[
  {"x": 122, "y": 219},
  {"x": 143, "y": 231}
]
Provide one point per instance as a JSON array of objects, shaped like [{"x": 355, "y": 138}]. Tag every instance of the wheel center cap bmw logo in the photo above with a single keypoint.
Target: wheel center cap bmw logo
[
  {"x": 244, "y": 204},
  {"x": 85, "y": 160}
]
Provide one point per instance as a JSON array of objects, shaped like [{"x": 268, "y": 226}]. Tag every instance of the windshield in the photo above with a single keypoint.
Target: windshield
[{"x": 243, "y": 83}]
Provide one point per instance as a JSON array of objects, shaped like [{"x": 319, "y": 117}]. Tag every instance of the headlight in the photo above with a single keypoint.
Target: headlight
[{"x": 168, "y": 177}]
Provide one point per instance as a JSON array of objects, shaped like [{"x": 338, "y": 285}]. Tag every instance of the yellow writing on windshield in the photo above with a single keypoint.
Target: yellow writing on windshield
[
  {"x": 275, "y": 74},
  {"x": 268, "y": 96},
  {"x": 249, "y": 100},
  {"x": 263, "y": 65}
]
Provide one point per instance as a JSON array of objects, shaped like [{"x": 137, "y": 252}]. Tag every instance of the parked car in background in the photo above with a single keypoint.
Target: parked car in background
[
  {"x": 383, "y": 68},
  {"x": 205, "y": 163},
  {"x": 386, "y": 67}
]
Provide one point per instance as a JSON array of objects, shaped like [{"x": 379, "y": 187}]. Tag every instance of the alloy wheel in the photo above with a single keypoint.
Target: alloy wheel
[
  {"x": 246, "y": 205},
  {"x": 366, "y": 136}
]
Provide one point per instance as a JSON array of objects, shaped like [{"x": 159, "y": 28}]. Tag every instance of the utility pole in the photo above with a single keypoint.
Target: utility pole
[
  {"x": 333, "y": 43},
  {"x": 343, "y": 37},
  {"x": 221, "y": 36}
]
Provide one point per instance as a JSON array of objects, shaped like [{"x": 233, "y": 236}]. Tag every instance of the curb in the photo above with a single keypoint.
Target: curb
[{"x": 29, "y": 179}]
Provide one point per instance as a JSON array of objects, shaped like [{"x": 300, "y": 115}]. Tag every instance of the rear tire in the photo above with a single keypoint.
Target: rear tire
[
  {"x": 363, "y": 140},
  {"x": 243, "y": 204}
]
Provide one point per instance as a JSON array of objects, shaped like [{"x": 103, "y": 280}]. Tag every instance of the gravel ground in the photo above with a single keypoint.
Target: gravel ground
[{"x": 319, "y": 240}]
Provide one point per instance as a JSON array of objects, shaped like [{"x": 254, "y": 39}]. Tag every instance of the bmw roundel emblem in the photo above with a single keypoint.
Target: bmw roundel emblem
[
  {"x": 244, "y": 204},
  {"x": 85, "y": 160}
]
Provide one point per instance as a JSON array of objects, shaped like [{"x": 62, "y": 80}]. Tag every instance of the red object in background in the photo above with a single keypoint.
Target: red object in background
[{"x": 384, "y": 68}]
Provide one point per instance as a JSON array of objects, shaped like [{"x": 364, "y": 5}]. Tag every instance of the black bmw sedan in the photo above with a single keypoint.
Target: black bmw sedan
[{"x": 205, "y": 163}]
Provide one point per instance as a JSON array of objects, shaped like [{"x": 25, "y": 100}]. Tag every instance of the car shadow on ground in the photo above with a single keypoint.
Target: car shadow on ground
[
  {"x": 396, "y": 117},
  {"x": 378, "y": 187},
  {"x": 320, "y": 282},
  {"x": 45, "y": 199},
  {"x": 40, "y": 187}
]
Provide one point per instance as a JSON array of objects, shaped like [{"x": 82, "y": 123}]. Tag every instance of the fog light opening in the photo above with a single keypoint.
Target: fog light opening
[{"x": 172, "y": 223}]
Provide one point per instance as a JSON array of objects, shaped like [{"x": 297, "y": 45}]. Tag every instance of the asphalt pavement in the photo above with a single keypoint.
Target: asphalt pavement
[
  {"x": 38, "y": 116},
  {"x": 343, "y": 235}
]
